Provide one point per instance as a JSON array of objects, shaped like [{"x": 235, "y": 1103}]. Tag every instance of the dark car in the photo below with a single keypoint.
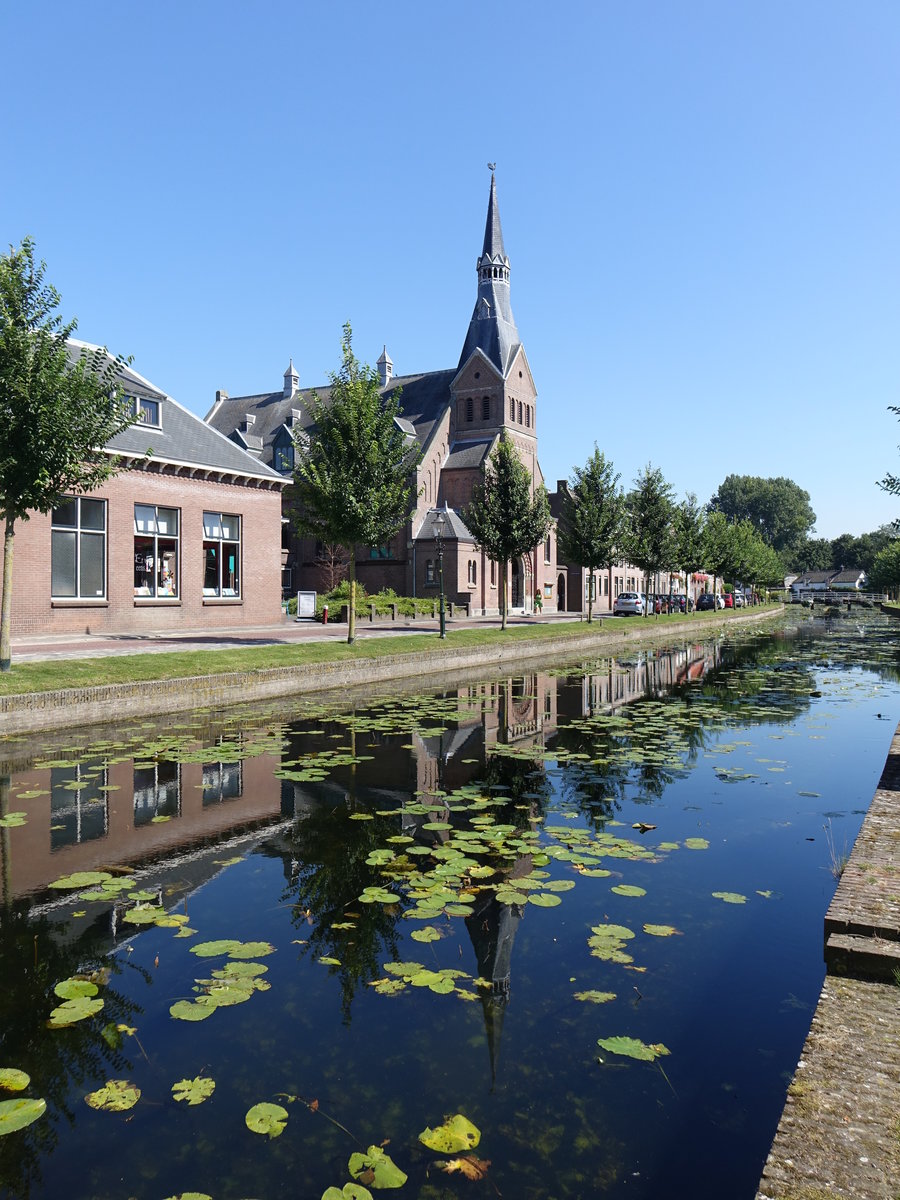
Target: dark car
[
  {"x": 706, "y": 602},
  {"x": 679, "y": 603}
]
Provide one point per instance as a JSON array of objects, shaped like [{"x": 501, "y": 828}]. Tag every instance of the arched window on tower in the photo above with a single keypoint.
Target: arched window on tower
[
  {"x": 485, "y": 408},
  {"x": 512, "y": 409},
  {"x": 470, "y": 409},
  {"x": 520, "y": 412}
]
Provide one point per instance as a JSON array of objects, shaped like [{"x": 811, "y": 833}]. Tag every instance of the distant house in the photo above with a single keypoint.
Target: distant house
[
  {"x": 187, "y": 536},
  {"x": 851, "y": 579}
]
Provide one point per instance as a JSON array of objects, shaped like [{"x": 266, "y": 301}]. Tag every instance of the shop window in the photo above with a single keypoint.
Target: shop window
[
  {"x": 78, "y": 549},
  {"x": 221, "y": 554},
  {"x": 155, "y": 551}
]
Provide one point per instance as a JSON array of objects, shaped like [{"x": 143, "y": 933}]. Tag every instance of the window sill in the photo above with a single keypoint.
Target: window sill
[
  {"x": 221, "y": 601},
  {"x": 157, "y": 602},
  {"x": 75, "y": 602}
]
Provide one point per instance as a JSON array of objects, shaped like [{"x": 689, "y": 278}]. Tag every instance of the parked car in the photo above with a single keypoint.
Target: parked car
[
  {"x": 729, "y": 600},
  {"x": 706, "y": 602},
  {"x": 739, "y": 600},
  {"x": 628, "y": 604},
  {"x": 681, "y": 603}
]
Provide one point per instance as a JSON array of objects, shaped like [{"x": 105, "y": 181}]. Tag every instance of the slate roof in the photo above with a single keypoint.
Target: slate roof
[
  {"x": 492, "y": 328},
  {"x": 424, "y": 398},
  {"x": 467, "y": 455},
  {"x": 182, "y": 439},
  {"x": 454, "y": 530}
]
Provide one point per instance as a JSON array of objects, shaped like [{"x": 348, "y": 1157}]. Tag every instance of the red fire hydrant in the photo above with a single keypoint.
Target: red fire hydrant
[{"x": 325, "y": 614}]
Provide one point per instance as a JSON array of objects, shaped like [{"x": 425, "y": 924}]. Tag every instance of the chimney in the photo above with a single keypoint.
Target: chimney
[{"x": 220, "y": 396}]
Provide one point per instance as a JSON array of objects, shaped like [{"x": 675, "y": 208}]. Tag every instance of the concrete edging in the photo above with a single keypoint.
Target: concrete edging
[{"x": 33, "y": 712}]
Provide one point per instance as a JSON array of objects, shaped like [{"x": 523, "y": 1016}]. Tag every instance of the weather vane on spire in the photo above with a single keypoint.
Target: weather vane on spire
[{"x": 492, "y": 166}]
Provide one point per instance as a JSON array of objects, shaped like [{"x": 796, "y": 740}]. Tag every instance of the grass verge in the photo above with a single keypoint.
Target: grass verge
[{"x": 61, "y": 674}]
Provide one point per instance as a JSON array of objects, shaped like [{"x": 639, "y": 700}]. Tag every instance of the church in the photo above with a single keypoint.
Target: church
[{"x": 457, "y": 415}]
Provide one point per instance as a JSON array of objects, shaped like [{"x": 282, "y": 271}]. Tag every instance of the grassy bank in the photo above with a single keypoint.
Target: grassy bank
[{"x": 56, "y": 675}]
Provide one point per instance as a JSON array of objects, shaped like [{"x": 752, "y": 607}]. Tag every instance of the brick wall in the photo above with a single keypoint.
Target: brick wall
[{"x": 34, "y": 611}]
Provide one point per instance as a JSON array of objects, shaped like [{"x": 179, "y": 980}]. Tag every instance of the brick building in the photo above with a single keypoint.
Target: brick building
[
  {"x": 187, "y": 536},
  {"x": 457, "y": 415}
]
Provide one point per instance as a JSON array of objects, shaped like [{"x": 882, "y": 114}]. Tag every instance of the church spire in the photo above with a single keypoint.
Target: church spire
[{"x": 493, "y": 327}]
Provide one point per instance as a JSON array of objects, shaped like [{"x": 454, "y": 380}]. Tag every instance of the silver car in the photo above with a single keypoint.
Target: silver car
[{"x": 628, "y": 604}]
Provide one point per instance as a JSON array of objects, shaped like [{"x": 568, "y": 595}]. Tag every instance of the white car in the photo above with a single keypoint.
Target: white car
[{"x": 628, "y": 604}]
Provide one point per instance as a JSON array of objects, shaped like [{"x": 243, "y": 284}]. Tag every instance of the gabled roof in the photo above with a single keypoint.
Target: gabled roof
[
  {"x": 182, "y": 439},
  {"x": 454, "y": 528}
]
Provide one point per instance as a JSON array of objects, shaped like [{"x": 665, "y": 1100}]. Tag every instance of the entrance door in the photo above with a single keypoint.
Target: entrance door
[
  {"x": 561, "y": 594},
  {"x": 516, "y": 584}
]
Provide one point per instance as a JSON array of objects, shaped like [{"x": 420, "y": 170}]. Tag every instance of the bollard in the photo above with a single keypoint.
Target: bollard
[{"x": 325, "y": 614}]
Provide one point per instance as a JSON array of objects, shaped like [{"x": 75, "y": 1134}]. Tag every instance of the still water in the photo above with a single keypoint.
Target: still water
[{"x": 482, "y": 902}]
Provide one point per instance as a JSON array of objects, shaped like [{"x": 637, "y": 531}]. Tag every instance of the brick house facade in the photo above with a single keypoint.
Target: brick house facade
[
  {"x": 187, "y": 536},
  {"x": 457, "y": 416}
]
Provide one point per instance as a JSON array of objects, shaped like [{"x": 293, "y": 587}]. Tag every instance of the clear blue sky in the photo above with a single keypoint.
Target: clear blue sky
[{"x": 700, "y": 202}]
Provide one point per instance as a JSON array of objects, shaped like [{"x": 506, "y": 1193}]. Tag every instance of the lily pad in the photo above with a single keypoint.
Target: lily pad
[
  {"x": 660, "y": 930},
  {"x": 118, "y": 1095},
  {"x": 212, "y": 949},
  {"x": 594, "y": 997},
  {"x": 428, "y": 934},
  {"x": 189, "y": 1010},
  {"x": 71, "y": 1011},
  {"x": 457, "y": 1133},
  {"x": 632, "y": 1048},
  {"x": 80, "y": 879},
  {"x": 350, "y": 1191},
  {"x": 628, "y": 889},
  {"x": 193, "y": 1091},
  {"x": 376, "y": 1168},
  {"x": 16, "y": 1114},
  {"x": 71, "y": 989},
  {"x": 11, "y": 820},
  {"x": 696, "y": 843},
  {"x": 269, "y": 1119},
  {"x": 731, "y": 897},
  {"x": 13, "y": 1080}
]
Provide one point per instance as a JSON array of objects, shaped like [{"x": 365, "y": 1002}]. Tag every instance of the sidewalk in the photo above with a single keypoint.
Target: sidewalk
[{"x": 49, "y": 647}]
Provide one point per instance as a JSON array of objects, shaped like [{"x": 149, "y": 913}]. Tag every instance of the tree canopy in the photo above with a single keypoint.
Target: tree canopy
[
  {"x": 352, "y": 474},
  {"x": 591, "y": 519},
  {"x": 504, "y": 518},
  {"x": 649, "y": 539},
  {"x": 778, "y": 509},
  {"x": 56, "y": 415}
]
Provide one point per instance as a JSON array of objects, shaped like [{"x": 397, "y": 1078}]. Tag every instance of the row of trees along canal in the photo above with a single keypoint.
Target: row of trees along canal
[{"x": 353, "y": 468}]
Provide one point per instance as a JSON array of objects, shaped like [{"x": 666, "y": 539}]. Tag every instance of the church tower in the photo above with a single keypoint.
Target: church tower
[{"x": 493, "y": 390}]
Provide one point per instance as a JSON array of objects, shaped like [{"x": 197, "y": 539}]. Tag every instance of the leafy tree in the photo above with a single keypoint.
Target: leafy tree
[
  {"x": 505, "y": 518},
  {"x": 592, "y": 514},
  {"x": 352, "y": 470},
  {"x": 688, "y": 533},
  {"x": 56, "y": 416},
  {"x": 812, "y": 554},
  {"x": 717, "y": 545},
  {"x": 778, "y": 508},
  {"x": 885, "y": 573},
  {"x": 649, "y": 541}
]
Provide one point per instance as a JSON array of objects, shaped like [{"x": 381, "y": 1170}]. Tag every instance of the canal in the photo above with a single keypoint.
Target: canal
[{"x": 551, "y": 935}]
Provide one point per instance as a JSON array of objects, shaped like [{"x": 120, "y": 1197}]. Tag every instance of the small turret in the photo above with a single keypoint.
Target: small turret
[
  {"x": 291, "y": 381},
  {"x": 385, "y": 367}
]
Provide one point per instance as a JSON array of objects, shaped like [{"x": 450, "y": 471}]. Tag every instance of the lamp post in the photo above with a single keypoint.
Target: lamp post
[{"x": 439, "y": 538}]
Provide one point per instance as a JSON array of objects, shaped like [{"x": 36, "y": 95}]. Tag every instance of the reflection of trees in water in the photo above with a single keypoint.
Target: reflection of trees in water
[
  {"x": 35, "y": 955},
  {"x": 326, "y": 875}
]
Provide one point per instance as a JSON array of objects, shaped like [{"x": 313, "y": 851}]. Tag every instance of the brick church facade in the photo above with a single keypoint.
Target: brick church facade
[{"x": 457, "y": 416}]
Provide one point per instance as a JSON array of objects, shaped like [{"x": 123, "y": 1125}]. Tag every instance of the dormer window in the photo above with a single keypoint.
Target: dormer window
[{"x": 147, "y": 412}]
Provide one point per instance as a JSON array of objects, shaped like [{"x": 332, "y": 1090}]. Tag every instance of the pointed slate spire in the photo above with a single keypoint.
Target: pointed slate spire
[{"x": 492, "y": 328}]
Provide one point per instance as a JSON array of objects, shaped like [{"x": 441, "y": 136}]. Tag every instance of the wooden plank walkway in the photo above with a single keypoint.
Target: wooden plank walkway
[{"x": 839, "y": 1134}]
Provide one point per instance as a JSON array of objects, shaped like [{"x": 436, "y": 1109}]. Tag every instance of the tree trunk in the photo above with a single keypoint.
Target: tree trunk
[
  {"x": 351, "y": 614},
  {"x": 503, "y": 567},
  {"x": 590, "y": 594},
  {"x": 6, "y": 596}
]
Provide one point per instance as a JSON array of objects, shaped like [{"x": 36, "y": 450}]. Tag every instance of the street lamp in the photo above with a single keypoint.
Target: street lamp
[{"x": 439, "y": 538}]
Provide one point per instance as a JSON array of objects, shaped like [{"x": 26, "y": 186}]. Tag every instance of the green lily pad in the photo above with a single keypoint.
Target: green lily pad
[
  {"x": 594, "y": 997},
  {"x": 118, "y": 1095},
  {"x": 696, "y": 843},
  {"x": 628, "y": 889},
  {"x": 11, "y": 820},
  {"x": 190, "y": 1196},
  {"x": 71, "y": 989},
  {"x": 544, "y": 900},
  {"x": 269, "y": 1119},
  {"x": 13, "y": 1080},
  {"x": 350, "y": 1191},
  {"x": 81, "y": 879},
  {"x": 189, "y": 1010},
  {"x": 376, "y": 1168},
  {"x": 144, "y": 914},
  {"x": 428, "y": 934},
  {"x": 632, "y": 1048},
  {"x": 456, "y": 1134},
  {"x": 212, "y": 949},
  {"x": 71, "y": 1011},
  {"x": 660, "y": 930},
  {"x": 731, "y": 897},
  {"x": 16, "y": 1114},
  {"x": 193, "y": 1091}
]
